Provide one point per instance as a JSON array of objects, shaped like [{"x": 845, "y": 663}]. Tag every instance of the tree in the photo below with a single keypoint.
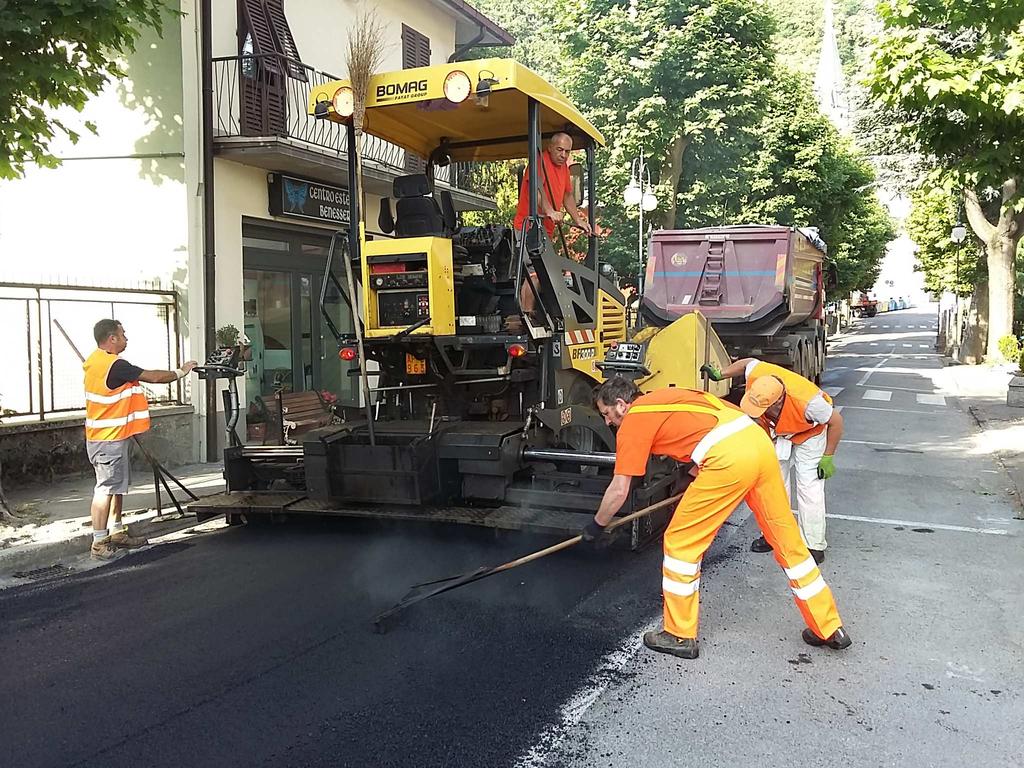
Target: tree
[
  {"x": 933, "y": 214},
  {"x": 957, "y": 72},
  {"x": 59, "y": 53}
]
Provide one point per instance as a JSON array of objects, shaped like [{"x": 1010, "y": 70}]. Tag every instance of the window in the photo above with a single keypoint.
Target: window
[
  {"x": 415, "y": 49},
  {"x": 415, "y": 53},
  {"x": 264, "y": 31}
]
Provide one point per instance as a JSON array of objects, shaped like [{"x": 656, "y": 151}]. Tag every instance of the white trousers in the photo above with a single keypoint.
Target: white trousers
[{"x": 809, "y": 504}]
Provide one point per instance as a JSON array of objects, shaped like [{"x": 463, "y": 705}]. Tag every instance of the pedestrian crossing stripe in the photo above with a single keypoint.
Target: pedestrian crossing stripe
[{"x": 878, "y": 394}]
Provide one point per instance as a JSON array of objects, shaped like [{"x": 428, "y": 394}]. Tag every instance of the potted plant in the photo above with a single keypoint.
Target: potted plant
[{"x": 227, "y": 336}]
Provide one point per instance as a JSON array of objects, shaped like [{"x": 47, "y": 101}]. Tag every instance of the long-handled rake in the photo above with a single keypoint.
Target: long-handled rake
[{"x": 420, "y": 592}]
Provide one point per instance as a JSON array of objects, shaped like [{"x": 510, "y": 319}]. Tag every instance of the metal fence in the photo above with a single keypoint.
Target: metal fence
[
  {"x": 41, "y": 375},
  {"x": 268, "y": 95}
]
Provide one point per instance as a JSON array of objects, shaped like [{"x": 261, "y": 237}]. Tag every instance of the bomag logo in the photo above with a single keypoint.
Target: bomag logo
[{"x": 400, "y": 91}]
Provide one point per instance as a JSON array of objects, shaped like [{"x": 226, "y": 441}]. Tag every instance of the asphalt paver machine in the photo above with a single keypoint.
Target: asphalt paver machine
[{"x": 479, "y": 412}]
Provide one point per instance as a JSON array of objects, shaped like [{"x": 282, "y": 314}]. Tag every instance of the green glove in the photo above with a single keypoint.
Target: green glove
[
  {"x": 712, "y": 371},
  {"x": 826, "y": 467}
]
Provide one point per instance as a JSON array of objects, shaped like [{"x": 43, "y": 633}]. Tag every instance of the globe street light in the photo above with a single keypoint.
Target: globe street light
[{"x": 639, "y": 192}]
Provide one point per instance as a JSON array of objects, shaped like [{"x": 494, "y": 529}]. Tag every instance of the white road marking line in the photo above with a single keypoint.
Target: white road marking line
[
  {"x": 883, "y": 361},
  {"x": 889, "y": 410},
  {"x": 915, "y": 524},
  {"x": 878, "y": 394},
  {"x": 886, "y": 326},
  {"x": 874, "y": 343},
  {"x": 834, "y": 391},
  {"x": 925, "y": 399},
  {"x": 908, "y": 345},
  {"x": 924, "y": 346}
]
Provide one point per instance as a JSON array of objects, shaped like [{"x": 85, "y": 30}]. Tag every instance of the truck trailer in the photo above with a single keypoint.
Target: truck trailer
[{"x": 762, "y": 288}]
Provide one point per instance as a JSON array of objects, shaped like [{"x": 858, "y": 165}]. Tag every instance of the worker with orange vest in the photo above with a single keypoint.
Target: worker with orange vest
[
  {"x": 735, "y": 462},
  {"x": 115, "y": 411},
  {"x": 806, "y": 428}
]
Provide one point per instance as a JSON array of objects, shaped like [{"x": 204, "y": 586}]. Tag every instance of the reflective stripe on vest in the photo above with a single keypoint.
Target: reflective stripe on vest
[
  {"x": 729, "y": 423},
  {"x": 112, "y": 414}
]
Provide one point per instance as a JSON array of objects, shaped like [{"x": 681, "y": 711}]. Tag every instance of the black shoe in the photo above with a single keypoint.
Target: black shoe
[
  {"x": 760, "y": 545},
  {"x": 666, "y": 642},
  {"x": 839, "y": 640},
  {"x": 818, "y": 555}
]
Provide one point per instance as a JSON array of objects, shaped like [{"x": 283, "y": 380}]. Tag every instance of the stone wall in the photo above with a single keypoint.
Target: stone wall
[{"x": 35, "y": 451}]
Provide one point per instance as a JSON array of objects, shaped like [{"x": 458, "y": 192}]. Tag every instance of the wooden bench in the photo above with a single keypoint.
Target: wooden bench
[{"x": 300, "y": 413}]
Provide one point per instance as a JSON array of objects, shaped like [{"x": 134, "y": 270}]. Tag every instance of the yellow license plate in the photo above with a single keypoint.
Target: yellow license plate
[{"x": 414, "y": 365}]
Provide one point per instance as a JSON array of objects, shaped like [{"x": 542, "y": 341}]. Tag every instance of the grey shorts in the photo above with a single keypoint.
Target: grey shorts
[{"x": 112, "y": 461}]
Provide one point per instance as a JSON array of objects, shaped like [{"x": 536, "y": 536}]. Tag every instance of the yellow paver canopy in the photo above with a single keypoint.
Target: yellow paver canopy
[{"x": 409, "y": 108}]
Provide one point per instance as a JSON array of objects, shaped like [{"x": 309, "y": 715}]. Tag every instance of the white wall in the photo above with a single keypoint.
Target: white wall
[{"x": 321, "y": 29}]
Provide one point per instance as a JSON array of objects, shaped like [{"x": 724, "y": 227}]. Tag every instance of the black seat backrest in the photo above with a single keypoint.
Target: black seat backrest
[
  {"x": 451, "y": 220},
  {"x": 416, "y": 214}
]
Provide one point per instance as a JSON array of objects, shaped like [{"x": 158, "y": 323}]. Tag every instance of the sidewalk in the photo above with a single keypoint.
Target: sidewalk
[
  {"x": 53, "y": 519},
  {"x": 981, "y": 391}
]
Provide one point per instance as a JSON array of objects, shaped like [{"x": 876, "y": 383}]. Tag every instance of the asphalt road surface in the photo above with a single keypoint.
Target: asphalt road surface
[{"x": 254, "y": 646}]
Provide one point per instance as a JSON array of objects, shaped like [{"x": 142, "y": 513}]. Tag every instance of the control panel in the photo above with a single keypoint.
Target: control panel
[
  {"x": 402, "y": 308},
  {"x": 222, "y": 363},
  {"x": 625, "y": 358},
  {"x": 398, "y": 281}
]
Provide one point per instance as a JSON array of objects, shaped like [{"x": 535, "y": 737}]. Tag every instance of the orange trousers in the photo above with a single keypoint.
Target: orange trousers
[{"x": 740, "y": 467}]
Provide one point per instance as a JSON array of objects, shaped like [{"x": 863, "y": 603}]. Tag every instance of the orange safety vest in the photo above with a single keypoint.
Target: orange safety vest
[
  {"x": 112, "y": 414},
  {"x": 729, "y": 422},
  {"x": 792, "y": 423}
]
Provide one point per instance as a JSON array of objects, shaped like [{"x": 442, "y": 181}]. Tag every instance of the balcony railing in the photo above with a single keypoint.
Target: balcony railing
[{"x": 267, "y": 96}]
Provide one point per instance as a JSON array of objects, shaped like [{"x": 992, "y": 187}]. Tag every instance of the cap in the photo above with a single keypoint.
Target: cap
[{"x": 761, "y": 395}]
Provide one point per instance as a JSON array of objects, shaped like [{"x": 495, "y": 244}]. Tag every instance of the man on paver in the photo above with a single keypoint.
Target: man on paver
[
  {"x": 115, "y": 411},
  {"x": 736, "y": 462},
  {"x": 556, "y": 189},
  {"x": 807, "y": 431}
]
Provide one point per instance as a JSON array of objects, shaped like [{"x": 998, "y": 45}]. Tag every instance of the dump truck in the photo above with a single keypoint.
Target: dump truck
[
  {"x": 475, "y": 411},
  {"x": 762, "y": 288},
  {"x": 863, "y": 304}
]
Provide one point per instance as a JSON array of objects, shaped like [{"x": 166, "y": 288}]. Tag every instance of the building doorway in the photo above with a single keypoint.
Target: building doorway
[{"x": 292, "y": 349}]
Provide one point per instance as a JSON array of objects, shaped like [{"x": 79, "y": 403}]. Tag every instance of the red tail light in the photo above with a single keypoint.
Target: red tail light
[
  {"x": 348, "y": 353},
  {"x": 517, "y": 350}
]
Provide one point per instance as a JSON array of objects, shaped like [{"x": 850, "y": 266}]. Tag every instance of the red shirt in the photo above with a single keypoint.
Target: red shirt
[
  {"x": 557, "y": 183},
  {"x": 675, "y": 435}
]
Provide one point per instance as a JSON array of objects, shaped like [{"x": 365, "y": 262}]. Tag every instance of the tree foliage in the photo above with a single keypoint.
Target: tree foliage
[
  {"x": 956, "y": 72},
  {"x": 59, "y": 53},
  {"x": 934, "y": 212}
]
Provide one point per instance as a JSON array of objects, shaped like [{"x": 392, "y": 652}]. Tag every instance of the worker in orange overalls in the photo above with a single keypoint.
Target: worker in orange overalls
[
  {"x": 806, "y": 428},
  {"x": 736, "y": 462}
]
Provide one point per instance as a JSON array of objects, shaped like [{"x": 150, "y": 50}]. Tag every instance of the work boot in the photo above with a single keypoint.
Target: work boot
[
  {"x": 666, "y": 642},
  {"x": 818, "y": 555},
  {"x": 124, "y": 540},
  {"x": 760, "y": 545},
  {"x": 104, "y": 549},
  {"x": 839, "y": 640}
]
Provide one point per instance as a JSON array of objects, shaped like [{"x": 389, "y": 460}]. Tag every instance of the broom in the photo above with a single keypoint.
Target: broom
[{"x": 364, "y": 57}]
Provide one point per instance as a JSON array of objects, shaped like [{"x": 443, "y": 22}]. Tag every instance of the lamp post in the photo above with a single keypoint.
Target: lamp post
[
  {"x": 957, "y": 235},
  {"x": 639, "y": 192}
]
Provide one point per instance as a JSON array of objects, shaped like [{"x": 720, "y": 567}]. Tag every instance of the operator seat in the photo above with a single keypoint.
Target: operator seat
[{"x": 417, "y": 213}]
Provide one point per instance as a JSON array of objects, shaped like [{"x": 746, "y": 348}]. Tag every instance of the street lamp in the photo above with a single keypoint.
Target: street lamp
[
  {"x": 957, "y": 235},
  {"x": 639, "y": 192}
]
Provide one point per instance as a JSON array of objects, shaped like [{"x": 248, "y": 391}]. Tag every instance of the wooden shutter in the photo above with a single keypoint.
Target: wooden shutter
[
  {"x": 415, "y": 48},
  {"x": 262, "y": 94},
  {"x": 285, "y": 42},
  {"x": 415, "y": 53}
]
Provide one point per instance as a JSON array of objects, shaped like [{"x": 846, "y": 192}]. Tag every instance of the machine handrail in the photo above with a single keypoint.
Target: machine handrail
[{"x": 329, "y": 273}]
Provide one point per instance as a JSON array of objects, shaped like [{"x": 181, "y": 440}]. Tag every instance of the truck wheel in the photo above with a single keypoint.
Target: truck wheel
[{"x": 872, "y": 311}]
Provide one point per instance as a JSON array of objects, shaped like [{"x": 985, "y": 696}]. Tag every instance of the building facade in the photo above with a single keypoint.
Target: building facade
[{"x": 123, "y": 215}]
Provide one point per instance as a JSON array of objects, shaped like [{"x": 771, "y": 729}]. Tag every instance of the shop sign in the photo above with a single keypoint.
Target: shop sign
[{"x": 304, "y": 199}]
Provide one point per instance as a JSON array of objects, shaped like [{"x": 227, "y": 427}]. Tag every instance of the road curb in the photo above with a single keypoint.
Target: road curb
[{"x": 30, "y": 557}]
